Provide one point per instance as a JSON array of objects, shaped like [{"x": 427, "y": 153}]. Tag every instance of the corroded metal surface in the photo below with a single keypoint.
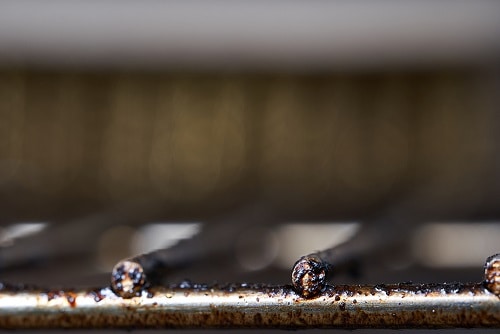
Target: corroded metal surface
[
  {"x": 309, "y": 275},
  {"x": 128, "y": 279},
  {"x": 190, "y": 305},
  {"x": 492, "y": 274}
]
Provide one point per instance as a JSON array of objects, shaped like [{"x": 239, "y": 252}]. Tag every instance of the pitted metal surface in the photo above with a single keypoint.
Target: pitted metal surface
[
  {"x": 492, "y": 274},
  {"x": 189, "y": 305}
]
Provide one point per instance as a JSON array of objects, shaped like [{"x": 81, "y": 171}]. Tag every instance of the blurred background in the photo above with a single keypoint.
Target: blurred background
[{"x": 261, "y": 131}]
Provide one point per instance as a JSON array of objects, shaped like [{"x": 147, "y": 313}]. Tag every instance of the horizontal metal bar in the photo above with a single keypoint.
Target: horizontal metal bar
[{"x": 249, "y": 306}]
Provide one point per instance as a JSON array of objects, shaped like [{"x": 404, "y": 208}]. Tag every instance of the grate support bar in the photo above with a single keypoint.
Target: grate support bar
[{"x": 255, "y": 306}]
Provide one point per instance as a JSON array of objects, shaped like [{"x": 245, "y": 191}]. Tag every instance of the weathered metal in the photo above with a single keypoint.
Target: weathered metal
[
  {"x": 189, "y": 305},
  {"x": 492, "y": 274},
  {"x": 309, "y": 275}
]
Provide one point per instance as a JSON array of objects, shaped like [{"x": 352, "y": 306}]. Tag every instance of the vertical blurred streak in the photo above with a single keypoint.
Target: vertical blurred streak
[
  {"x": 52, "y": 146},
  {"x": 453, "y": 142},
  {"x": 349, "y": 169},
  {"x": 320, "y": 122},
  {"x": 127, "y": 141},
  {"x": 232, "y": 108},
  {"x": 96, "y": 109},
  {"x": 331, "y": 137},
  {"x": 485, "y": 88},
  {"x": 12, "y": 114},
  {"x": 71, "y": 102},
  {"x": 297, "y": 142},
  {"x": 199, "y": 140},
  {"x": 388, "y": 112},
  {"x": 285, "y": 144},
  {"x": 302, "y": 135}
]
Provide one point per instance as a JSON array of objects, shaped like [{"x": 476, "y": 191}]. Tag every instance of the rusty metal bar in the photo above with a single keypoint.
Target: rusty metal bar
[{"x": 248, "y": 306}]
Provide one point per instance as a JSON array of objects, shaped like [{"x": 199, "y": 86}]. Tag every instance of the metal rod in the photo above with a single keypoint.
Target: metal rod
[
  {"x": 390, "y": 228},
  {"x": 249, "y": 306},
  {"x": 309, "y": 275},
  {"x": 492, "y": 274},
  {"x": 131, "y": 276},
  {"x": 310, "y": 272}
]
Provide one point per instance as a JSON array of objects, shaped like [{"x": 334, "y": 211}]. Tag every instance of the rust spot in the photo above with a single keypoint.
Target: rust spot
[
  {"x": 257, "y": 318},
  {"x": 54, "y": 294},
  {"x": 71, "y": 298},
  {"x": 98, "y": 296},
  {"x": 337, "y": 298}
]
